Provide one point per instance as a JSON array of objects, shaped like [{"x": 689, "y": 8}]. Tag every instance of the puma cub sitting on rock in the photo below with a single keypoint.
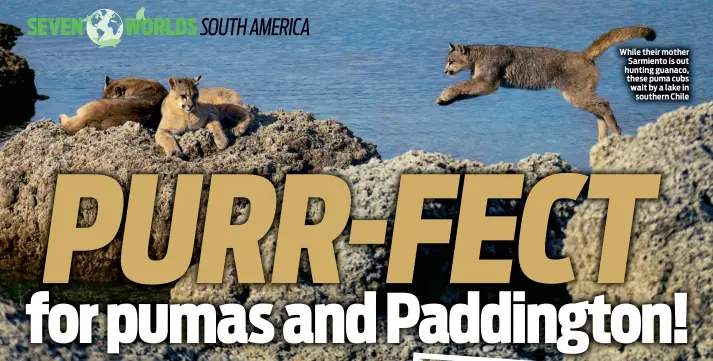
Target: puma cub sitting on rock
[
  {"x": 227, "y": 102},
  {"x": 181, "y": 112}
]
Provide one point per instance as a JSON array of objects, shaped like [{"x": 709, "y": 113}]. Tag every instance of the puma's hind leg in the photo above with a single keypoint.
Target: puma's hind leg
[
  {"x": 69, "y": 124},
  {"x": 72, "y": 125},
  {"x": 244, "y": 124},
  {"x": 592, "y": 103},
  {"x": 601, "y": 129},
  {"x": 221, "y": 140},
  {"x": 240, "y": 118},
  {"x": 92, "y": 114}
]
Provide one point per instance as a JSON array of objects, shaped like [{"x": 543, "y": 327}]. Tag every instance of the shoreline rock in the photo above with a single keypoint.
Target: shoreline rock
[
  {"x": 17, "y": 80},
  {"x": 283, "y": 143},
  {"x": 671, "y": 247},
  {"x": 374, "y": 187},
  {"x": 8, "y": 36},
  {"x": 362, "y": 268}
]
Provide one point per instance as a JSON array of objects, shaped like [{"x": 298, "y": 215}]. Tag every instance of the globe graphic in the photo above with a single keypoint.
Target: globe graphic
[{"x": 104, "y": 27}]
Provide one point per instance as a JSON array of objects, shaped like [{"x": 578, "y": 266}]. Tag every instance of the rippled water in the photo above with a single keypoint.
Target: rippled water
[{"x": 377, "y": 66}]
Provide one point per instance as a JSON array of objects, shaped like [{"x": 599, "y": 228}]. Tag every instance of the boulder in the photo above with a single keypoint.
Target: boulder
[
  {"x": 671, "y": 246},
  {"x": 17, "y": 80},
  {"x": 374, "y": 187},
  {"x": 282, "y": 143},
  {"x": 8, "y": 36}
]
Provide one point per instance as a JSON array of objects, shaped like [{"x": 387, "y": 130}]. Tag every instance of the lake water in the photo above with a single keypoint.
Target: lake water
[{"x": 377, "y": 66}]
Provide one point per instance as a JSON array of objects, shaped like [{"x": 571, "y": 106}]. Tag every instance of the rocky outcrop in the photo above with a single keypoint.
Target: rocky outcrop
[
  {"x": 17, "y": 80},
  {"x": 29, "y": 162},
  {"x": 362, "y": 268},
  {"x": 672, "y": 237},
  {"x": 671, "y": 247},
  {"x": 8, "y": 36}
]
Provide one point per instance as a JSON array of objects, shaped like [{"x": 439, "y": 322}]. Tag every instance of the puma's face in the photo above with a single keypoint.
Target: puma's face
[
  {"x": 457, "y": 59},
  {"x": 186, "y": 92},
  {"x": 112, "y": 89},
  {"x": 132, "y": 87}
]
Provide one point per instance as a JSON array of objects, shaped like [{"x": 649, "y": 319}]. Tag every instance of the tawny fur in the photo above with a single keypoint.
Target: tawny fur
[
  {"x": 103, "y": 114},
  {"x": 182, "y": 112},
  {"x": 227, "y": 102},
  {"x": 524, "y": 67},
  {"x": 219, "y": 95},
  {"x": 133, "y": 87},
  {"x": 604, "y": 42},
  {"x": 128, "y": 99},
  {"x": 228, "y": 105},
  {"x": 139, "y": 100}
]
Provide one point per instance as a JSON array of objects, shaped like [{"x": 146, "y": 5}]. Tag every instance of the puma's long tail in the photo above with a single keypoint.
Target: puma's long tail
[{"x": 612, "y": 37}]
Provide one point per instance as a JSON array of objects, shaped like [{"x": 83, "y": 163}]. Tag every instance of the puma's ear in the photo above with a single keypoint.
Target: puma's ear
[
  {"x": 172, "y": 82},
  {"x": 107, "y": 81},
  {"x": 118, "y": 91},
  {"x": 450, "y": 47},
  {"x": 462, "y": 49},
  {"x": 198, "y": 79}
]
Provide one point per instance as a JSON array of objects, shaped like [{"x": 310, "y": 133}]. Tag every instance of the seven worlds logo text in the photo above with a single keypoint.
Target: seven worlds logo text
[{"x": 105, "y": 27}]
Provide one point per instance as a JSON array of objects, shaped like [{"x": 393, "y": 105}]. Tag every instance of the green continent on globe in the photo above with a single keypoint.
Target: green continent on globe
[
  {"x": 105, "y": 27},
  {"x": 110, "y": 42}
]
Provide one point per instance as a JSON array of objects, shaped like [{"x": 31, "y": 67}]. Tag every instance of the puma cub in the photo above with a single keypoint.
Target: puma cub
[
  {"x": 181, "y": 112},
  {"x": 124, "y": 100},
  {"x": 227, "y": 102}
]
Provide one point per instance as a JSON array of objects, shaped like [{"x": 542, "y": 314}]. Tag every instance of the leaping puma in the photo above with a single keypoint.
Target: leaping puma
[{"x": 526, "y": 67}]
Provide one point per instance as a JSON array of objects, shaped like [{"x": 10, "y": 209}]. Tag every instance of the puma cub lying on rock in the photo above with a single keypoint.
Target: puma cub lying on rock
[
  {"x": 181, "y": 112},
  {"x": 227, "y": 101},
  {"x": 124, "y": 100},
  {"x": 139, "y": 100}
]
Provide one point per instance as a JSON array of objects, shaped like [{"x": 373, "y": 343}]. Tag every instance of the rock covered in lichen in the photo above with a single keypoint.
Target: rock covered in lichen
[
  {"x": 281, "y": 143},
  {"x": 8, "y": 36},
  {"x": 671, "y": 247},
  {"x": 17, "y": 80},
  {"x": 374, "y": 188}
]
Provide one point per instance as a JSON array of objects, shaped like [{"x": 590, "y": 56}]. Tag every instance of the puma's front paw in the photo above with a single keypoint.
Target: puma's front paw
[
  {"x": 442, "y": 102},
  {"x": 178, "y": 154},
  {"x": 221, "y": 142},
  {"x": 446, "y": 97},
  {"x": 239, "y": 130}
]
